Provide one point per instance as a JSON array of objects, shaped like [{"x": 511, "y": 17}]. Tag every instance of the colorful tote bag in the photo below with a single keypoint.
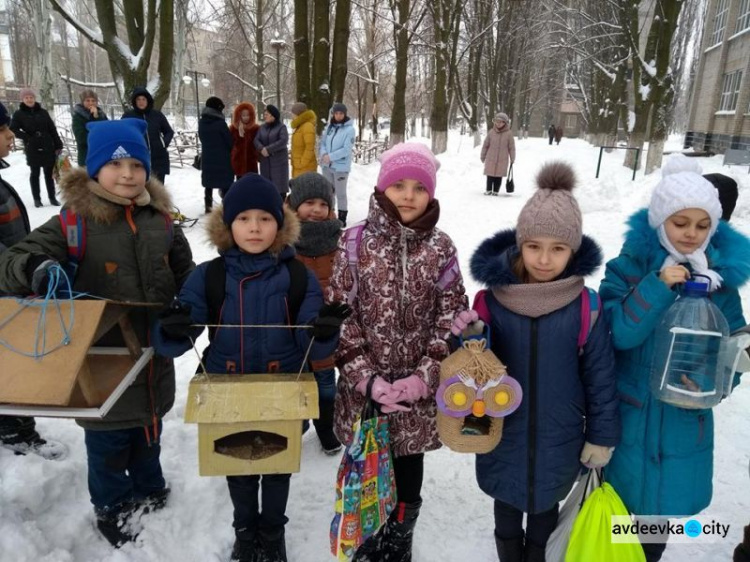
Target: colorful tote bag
[{"x": 365, "y": 484}]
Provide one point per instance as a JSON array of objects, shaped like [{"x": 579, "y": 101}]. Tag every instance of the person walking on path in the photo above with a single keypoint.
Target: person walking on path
[
  {"x": 34, "y": 126},
  {"x": 272, "y": 145},
  {"x": 84, "y": 113},
  {"x": 498, "y": 150}
]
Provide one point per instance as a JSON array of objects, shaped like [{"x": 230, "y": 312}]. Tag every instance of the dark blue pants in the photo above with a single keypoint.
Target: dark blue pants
[
  {"x": 249, "y": 516},
  {"x": 123, "y": 466},
  {"x": 326, "y": 385},
  {"x": 539, "y": 526}
]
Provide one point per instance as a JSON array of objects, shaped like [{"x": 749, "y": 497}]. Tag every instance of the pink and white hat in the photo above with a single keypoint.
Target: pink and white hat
[{"x": 408, "y": 160}]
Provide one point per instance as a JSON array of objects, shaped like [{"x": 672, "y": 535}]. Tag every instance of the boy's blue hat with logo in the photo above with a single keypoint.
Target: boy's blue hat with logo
[{"x": 112, "y": 140}]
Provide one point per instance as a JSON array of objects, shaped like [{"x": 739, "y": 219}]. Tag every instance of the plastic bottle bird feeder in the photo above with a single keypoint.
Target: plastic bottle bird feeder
[
  {"x": 474, "y": 395},
  {"x": 74, "y": 380},
  {"x": 250, "y": 424}
]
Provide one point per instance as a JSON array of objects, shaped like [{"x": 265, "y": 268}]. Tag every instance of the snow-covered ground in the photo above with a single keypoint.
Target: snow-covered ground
[{"x": 45, "y": 515}]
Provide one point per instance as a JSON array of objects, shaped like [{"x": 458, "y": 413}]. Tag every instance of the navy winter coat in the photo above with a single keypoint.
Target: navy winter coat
[
  {"x": 34, "y": 126},
  {"x": 160, "y": 133},
  {"x": 256, "y": 293},
  {"x": 275, "y": 167},
  {"x": 567, "y": 398},
  {"x": 216, "y": 140}
]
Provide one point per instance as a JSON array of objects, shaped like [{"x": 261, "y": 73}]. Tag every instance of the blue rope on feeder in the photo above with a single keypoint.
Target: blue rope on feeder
[{"x": 57, "y": 278}]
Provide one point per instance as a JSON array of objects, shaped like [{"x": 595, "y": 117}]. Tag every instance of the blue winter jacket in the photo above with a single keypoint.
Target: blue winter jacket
[
  {"x": 664, "y": 464},
  {"x": 257, "y": 288},
  {"x": 567, "y": 398},
  {"x": 338, "y": 143}
]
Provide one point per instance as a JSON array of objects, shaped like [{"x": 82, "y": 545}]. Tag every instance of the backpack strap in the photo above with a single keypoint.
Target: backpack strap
[
  {"x": 352, "y": 240},
  {"x": 215, "y": 285},
  {"x": 297, "y": 288},
  {"x": 74, "y": 230},
  {"x": 591, "y": 305}
]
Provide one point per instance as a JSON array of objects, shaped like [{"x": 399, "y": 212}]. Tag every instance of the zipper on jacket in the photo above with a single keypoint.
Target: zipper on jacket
[
  {"x": 129, "y": 218},
  {"x": 532, "y": 414},
  {"x": 403, "y": 265}
]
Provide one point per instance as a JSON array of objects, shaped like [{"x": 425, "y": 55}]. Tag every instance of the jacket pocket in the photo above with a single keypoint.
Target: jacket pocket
[
  {"x": 686, "y": 431},
  {"x": 632, "y": 413}
]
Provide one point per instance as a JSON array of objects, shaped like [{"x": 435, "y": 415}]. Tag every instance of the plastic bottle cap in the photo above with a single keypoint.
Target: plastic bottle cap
[{"x": 696, "y": 289}]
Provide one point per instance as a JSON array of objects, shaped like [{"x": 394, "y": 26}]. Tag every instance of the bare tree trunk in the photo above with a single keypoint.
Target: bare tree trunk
[
  {"x": 340, "y": 49},
  {"x": 260, "y": 58},
  {"x": 320, "y": 84},
  {"x": 44, "y": 81},
  {"x": 302, "y": 52},
  {"x": 400, "y": 10},
  {"x": 178, "y": 100}
]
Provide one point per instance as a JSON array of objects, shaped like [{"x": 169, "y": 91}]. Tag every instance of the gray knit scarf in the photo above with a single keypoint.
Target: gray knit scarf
[
  {"x": 318, "y": 238},
  {"x": 537, "y": 299}
]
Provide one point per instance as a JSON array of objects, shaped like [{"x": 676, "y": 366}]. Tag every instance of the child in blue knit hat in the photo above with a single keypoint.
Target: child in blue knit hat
[
  {"x": 133, "y": 253},
  {"x": 255, "y": 235}
]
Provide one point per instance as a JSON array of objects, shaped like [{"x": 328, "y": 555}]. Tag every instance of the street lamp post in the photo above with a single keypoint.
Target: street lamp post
[
  {"x": 278, "y": 44},
  {"x": 192, "y": 76}
]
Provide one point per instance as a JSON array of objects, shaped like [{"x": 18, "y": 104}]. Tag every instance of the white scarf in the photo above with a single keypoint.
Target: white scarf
[{"x": 697, "y": 260}]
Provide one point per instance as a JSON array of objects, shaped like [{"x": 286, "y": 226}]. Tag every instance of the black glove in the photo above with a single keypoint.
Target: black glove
[
  {"x": 37, "y": 272},
  {"x": 175, "y": 320},
  {"x": 329, "y": 320}
]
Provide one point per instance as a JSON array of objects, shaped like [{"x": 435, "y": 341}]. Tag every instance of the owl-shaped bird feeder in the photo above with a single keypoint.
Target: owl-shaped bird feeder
[{"x": 474, "y": 396}]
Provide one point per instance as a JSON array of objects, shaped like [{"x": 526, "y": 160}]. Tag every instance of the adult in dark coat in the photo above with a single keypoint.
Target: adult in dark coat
[
  {"x": 272, "y": 144},
  {"x": 160, "y": 133},
  {"x": 558, "y": 134},
  {"x": 551, "y": 133},
  {"x": 83, "y": 113},
  {"x": 42, "y": 144},
  {"x": 216, "y": 163},
  {"x": 17, "y": 432}
]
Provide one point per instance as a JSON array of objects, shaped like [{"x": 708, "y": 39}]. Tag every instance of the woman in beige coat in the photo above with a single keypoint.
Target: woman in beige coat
[{"x": 498, "y": 150}]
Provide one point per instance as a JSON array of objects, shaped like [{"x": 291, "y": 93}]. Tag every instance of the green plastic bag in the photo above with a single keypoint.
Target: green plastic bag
[{"x": 591, "y": 537}]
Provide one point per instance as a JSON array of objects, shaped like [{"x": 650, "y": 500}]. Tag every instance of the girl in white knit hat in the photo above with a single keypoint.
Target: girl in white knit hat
[{"x": 664, "y": 463}]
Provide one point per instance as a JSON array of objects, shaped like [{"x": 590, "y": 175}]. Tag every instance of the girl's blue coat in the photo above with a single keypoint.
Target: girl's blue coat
[
  {"x": 664, "y": 464},
  {"x": 338, "y": 143},
  {"x": 568, "y": 399},
  {"x": 257, "y": 288}
]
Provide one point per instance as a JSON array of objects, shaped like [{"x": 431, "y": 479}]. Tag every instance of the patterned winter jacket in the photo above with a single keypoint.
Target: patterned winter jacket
[
  {"x": 409, "y": 290},
  {"x": 132, "y": 254}
]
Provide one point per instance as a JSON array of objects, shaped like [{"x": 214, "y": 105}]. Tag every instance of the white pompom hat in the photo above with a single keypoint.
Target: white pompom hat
[{"x": 683, "y": 187}]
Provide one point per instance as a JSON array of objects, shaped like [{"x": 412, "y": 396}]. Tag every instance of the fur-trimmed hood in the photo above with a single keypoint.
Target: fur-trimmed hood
[
  {"x": 220, "y": 234},
  {"x": 306, "y": 116},
  {"x": 238, "y": 111},
  {"x": 492, "y": 262},
  {"x": 76, "y": 190},
  {"x": 728, "y": 251}
]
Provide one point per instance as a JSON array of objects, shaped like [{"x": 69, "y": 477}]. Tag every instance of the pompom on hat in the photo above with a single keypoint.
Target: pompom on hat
[
  {"x": 408, "y": 160},
  {"x": 553, "y": 210}
]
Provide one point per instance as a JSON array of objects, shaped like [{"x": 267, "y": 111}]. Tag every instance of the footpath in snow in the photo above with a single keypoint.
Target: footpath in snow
[{"x": 45, "y": 514}]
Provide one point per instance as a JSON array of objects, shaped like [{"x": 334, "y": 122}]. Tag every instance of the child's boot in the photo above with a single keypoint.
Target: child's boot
[
  {"x": 114, "y": 524},
  {"x": 245, "y": 547},
  {"x": 533, "y": 552},
  {"x": 369, "y": 551},
  {"x": 399, "y": 532},
  {"x": 324, "y": 428},
  {"x": 271, "y": 546},
  {"x": 509, "y": 550}
]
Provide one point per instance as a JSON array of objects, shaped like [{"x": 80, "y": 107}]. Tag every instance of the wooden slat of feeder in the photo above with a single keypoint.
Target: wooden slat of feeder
[
  {"x": 244, "y": 398},
  {"x": 212, "y": 463},
  {"x": 51, "y": 379}
]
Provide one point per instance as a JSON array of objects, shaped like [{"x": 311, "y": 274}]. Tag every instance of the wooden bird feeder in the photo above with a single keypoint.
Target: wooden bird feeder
[
  {"x": 76, "y": 380},
  {"x": 250, "y": 424}
]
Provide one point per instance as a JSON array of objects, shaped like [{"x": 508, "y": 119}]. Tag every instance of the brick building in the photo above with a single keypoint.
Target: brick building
[{"x": 720, "y": 104}]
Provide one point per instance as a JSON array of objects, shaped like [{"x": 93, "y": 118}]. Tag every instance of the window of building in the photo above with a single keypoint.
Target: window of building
[
  {"x": 730, "y": 91},
  {"x": 720, "y": 22},
  {"x": 743, "y": 19},
  {"x": 571, "y": 121}
]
